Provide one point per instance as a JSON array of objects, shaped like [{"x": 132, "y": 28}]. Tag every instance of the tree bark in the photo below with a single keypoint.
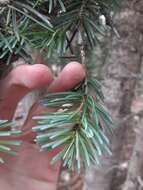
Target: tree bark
[
  {"x": 134, "y": 176},
  {"x": 123, "y": 63}
]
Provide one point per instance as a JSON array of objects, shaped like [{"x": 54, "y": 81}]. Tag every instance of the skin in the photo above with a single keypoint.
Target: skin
[{"x": 31, "y": 169}]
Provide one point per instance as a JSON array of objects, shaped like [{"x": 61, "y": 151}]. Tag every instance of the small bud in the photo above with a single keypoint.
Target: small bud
[{"x": 102, "y": 20}]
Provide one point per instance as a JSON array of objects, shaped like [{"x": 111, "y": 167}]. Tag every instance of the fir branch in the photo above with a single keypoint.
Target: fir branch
[
  {"x": 5, "y": 144},
  {"x": 80, "y": 123},
  {"x": 61, "y": 18}
]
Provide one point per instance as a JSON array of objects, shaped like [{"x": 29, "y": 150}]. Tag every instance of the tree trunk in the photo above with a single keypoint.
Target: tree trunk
[
  {"x": 134, "y": 176},
  {"x": 122, "y": 66}
]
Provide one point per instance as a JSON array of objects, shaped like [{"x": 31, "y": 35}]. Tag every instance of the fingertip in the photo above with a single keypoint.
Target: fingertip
[
  {"x": 41, "y": 74},
  {"x": 76, "y": 69},
  {"x": 72, "y": 74},
  {"x": 20, "y": 81},
  {"x": 32, "y": 76}
]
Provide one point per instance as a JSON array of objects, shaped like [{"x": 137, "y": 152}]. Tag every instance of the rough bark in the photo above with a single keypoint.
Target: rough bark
[
  {"x": 134, "y": 175},
  {"x": 122, "y": 66}
]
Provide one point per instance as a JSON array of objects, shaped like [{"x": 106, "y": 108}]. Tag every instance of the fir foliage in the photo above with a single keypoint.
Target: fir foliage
[
  {"x": 5, "y": 144},
  {"x": 50, "y": 24},
  {"x": 80, "y": 123}
]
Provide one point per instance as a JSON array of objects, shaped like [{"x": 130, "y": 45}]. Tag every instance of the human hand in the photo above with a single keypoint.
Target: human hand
[{"x": 31, "y": 169}]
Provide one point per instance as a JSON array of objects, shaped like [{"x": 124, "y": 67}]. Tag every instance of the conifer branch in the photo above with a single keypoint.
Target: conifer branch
[
  {"x": 5, "y": 144},
  {"x": 44, "y": 25},
  {"x": 81, "y": 124}
]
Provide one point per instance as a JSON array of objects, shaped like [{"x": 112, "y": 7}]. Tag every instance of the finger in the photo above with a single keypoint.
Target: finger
[
  {"x": 31, "y": 168},
  {"x": 18, "y": 83},
  {"x": 30, "y": 162},
  {"x": 72, "y": 74}
]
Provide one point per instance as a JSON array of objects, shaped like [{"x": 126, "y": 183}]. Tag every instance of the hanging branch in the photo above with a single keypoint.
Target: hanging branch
[
  {"x": 81, "y": 121},
  {"x": 80, "y": 127}
]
